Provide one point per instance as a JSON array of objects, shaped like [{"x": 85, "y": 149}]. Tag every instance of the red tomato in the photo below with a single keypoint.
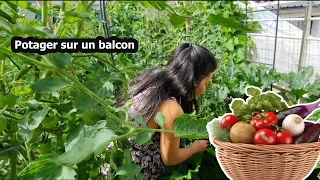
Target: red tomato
[
  {"x": 264, "y": 120},
  {"x": 284, "y": 137},
  {"x": 265, "y": 136},
  {"x": 228, "y": 121}
]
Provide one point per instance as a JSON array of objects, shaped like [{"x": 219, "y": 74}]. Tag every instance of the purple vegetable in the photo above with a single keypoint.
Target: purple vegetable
[
  {"x": 310, "y": 135},
  {"x": 302, "y": 110},
  {"x": 307, "y": 125}
]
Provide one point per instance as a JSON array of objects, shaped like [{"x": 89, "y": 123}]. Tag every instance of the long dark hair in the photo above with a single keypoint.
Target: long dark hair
[{"x": 188, "y": 65}]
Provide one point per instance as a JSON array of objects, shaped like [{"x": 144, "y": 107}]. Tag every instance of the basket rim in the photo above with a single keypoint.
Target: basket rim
[
  {"x": 303, "y": 147},
  {"x": 282, "y": 145}
]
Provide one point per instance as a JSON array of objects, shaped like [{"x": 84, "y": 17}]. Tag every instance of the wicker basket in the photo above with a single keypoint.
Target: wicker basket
[{"x": 270, "y": 162}]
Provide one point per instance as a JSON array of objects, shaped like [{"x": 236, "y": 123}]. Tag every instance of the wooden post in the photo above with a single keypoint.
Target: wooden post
[{"x": 305, "y": 35}]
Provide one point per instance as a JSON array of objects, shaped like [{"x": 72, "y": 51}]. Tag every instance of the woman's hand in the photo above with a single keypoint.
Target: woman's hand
[{"x": 200, "y": 145}]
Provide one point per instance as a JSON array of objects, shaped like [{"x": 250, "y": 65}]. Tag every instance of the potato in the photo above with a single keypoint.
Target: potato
[{"x": 242, "y": 132}]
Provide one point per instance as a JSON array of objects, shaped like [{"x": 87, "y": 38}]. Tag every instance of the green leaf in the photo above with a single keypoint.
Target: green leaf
[
  {"x": 237, "y": 104},
  {"x": 84, "y": 142},
  {"x": 27, "y": 30},
  {"x": 78, "y": 153},
  {"x": 44, "y": 169},
  {"x": 146, "y": 5},
  {"x": 315, "y": 116},
  {"x": 6, "y": 25},
  {"x": 102, "y": 139},
  {"x": 223, "y": 92},
  {"x": 29, "y": 7},
  {"x": 8, "y": 100},
  {"x": 60, "y": 59},
  {"x": 102, "y": 87},
  {"x": 176, "y": 20},
  {"x": 298, "y": 80},
  {"x": 129, "y": 170},
  {"x": 253, "y": 91},
  {"x": 144, "y": 137},
  {"x": 116, "y": 158},
  {"x": 188, "y": 126},
  {"x": 35, "y": 118},
  {"x": 49, "y": 84},
  {"x": 12, "y": 5},
  {"x": 75, "y": 134},
  {"x": 160, "y": 119},
  {"x": 230, "y": 45},
  {"x": 3, "y": 124},
  {"x": 211, "y": 151},
  {"x": 90, "y": 118},
  {"x": 6, "y": 16},
  {"x": 23, "y": 4},
  {"x": 72, "y": 16},
  {"x": 229, "y": 22},
  {"x": 50, "y": 122},
  {"x": 24, "y": 134},
  {"x": 139, "y": 120}
]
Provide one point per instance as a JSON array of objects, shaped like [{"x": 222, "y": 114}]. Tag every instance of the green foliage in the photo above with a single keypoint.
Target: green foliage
[
  {"x": 188, "y": 126},
  {"x": 49, "y": 84},
  {"x": 256, "y": 103}
]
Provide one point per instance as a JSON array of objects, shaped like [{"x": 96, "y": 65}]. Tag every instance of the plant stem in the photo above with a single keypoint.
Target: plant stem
[
  {"x": 26, "y": 58},
  {"x": 81, "y": 55},
  {"x": 6, "y": 42},
  {"x": 90, "y": 4},
  {"x": 44, "y": 13},
  {"x": 93, "y": 95},
  {"x": 13, "y": 154},
  {"x": 124, "y": 135},
  {"x": 71, "y": 78},
  {"x": 106, "y": 61},
  {"x": 58, "y": 28},
  {"x": 62, "y": 10},
  {"x": 115, "y": 144},
  {"x": 187, "y": 20},
  {"x": 2, "y": 67},
  {"x": 9, "y": 110},
  {"x": 24, "y": 155},
  {"x": 9, "y": 116},
  {"x": 30, "y": 159},
  {"x": 14, "y": 63},
  {"x": 99, "y": 58},
  {"x": 153, "y": 130},
  {"x": 79, "y": 29},
  {"x": 63, "y": 6}
]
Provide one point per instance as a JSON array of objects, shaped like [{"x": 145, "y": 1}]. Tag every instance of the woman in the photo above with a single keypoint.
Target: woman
[{"x": 173, "y": 92}]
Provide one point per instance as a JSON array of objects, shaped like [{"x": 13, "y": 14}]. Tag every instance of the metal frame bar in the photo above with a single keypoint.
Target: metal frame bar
[
  {"x": 284, "y": 37},
  {"x": 246, "y": 23},
  {"x": 275, "y": 40},
  {"x": 283, "y": 19}
]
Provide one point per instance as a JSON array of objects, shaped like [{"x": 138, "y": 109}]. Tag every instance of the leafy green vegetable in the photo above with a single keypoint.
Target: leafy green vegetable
[
  {"x": 216, "y": 132},
  {"x": 257, "y": 102}
]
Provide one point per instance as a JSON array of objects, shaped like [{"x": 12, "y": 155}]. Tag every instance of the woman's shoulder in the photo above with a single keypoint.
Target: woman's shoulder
[{"x": 171, "y": 107}]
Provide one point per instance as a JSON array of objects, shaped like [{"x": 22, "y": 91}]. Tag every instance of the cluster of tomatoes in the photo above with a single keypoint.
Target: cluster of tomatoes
[{"x": 267, "y": 130}]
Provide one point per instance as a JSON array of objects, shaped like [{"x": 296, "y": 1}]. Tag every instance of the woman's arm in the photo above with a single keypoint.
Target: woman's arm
[{"x": 170, "y": 152}]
